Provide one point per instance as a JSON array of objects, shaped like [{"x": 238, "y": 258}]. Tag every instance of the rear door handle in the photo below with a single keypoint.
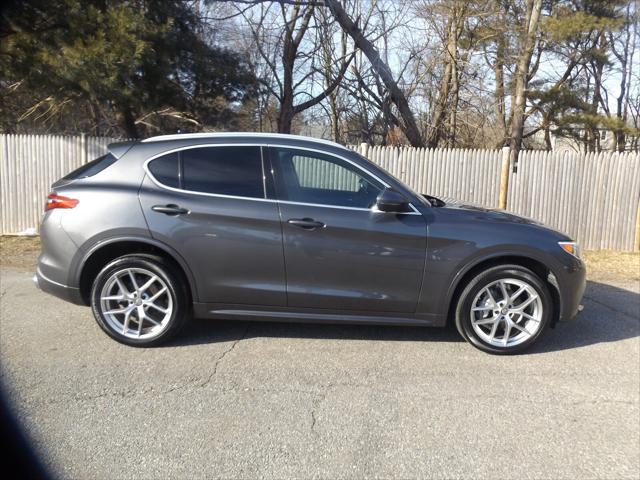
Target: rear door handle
[
  {"x": 306, "y": 223},
  {"x": 170, "y": 209}
]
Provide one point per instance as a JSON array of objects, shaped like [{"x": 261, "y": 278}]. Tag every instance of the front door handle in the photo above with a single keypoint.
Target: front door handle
[
  {"x": 170, "y": 209},
  {"x": 306, "y": 223}
]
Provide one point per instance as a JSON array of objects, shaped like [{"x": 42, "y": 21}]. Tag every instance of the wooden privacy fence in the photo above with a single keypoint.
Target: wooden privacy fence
[
  {"x": 592, "y": 197},
  {"x": 29, "y": 164}
]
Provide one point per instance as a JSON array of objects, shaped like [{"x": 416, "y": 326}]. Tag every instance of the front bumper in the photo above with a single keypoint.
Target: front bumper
[
  {"x": 65, "y": 292},
  {"x": 572, "y": 281}
]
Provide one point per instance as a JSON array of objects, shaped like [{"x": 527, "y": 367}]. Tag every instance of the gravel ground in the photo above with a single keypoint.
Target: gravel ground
[{"x": 246, "y": 400}]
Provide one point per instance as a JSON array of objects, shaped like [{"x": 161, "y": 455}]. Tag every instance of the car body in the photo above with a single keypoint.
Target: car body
[{"x": 282, "y": 227}]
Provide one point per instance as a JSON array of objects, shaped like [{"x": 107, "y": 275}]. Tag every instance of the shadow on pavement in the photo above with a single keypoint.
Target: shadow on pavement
[{"x": 611, "y": 314}]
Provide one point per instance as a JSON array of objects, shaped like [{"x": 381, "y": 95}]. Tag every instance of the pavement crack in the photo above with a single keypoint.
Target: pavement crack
[
  {"x": 315, "y": 404},
  {"x": 223, "y": 355}
]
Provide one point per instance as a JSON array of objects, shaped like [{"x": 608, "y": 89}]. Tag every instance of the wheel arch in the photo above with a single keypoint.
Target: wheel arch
[
  {"x": 102, "y": 253},
  {"x": 472, "y": 269}
]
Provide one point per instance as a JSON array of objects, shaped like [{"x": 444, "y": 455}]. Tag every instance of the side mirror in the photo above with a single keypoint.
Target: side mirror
[{"x": 390, "y": 200}]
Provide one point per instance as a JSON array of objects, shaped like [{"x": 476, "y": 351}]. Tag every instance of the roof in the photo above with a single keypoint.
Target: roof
[{"x": 275, "y": 136}]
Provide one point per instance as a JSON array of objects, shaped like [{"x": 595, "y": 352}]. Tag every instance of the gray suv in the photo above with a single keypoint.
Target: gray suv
[{"x": 287, "y": 228}]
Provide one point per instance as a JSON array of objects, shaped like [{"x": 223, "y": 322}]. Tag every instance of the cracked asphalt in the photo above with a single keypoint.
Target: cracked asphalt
[{"x": 248, "y": 399}]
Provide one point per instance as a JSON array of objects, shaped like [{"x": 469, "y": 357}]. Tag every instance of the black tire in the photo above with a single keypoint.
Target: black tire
[
  {"x": 478, "y": 283},
  {"x": 175, "y": 288}
]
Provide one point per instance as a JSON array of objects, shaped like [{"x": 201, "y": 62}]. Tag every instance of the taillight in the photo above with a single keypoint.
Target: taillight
[{"x": 58, "y": 201}]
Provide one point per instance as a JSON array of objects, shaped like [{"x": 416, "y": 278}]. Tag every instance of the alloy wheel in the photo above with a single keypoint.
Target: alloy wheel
[
  {"x": 136, "y": 303},
  {"x": 506, "y": 312}
]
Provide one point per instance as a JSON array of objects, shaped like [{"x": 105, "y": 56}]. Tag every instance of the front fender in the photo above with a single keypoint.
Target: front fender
[
  {"x": 460, "y": 240},
  {"x": 514, "y": 255}
]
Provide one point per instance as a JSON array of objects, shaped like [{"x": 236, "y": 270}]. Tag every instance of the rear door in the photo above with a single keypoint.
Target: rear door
[
  {"x": 339, "y": 252},
  {"x": 209, "y": 204}
]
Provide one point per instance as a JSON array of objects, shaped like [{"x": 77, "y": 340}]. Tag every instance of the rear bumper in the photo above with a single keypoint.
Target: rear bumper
[{"x": 65, "y": 292}]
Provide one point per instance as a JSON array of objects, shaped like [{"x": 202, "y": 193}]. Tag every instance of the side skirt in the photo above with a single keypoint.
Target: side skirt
[{"x": 269, "y": 314}]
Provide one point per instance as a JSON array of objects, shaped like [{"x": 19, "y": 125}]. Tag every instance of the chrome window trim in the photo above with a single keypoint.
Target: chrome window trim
[{"x": 145, "y": 167}]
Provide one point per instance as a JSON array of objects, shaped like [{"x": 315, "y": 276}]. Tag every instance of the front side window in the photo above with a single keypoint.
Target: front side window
[
  {"x": 235, "y": 171},
  {"x": 310, "y": 177}
]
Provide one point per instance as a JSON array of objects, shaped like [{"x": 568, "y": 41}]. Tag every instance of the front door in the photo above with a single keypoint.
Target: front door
[
  {"x": 208, "y": 203},
  {"x": 340, "y": 253}
]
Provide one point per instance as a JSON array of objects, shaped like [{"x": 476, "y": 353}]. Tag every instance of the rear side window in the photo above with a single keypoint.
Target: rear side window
[
  {"x": 92, "y": 168},
  {"x": 233, "y": 171},
  {"x": 166, "y": 170},
  {"x": 223, "y": 170}
]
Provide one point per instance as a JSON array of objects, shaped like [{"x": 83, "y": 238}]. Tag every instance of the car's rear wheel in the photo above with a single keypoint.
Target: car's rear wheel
[
  {"x": 138, "y": 300},
  {"x": 504, "y": 309}
]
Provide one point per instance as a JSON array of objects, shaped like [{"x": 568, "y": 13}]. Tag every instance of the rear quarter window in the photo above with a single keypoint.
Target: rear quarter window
[
  {"x": 92, "y": 168},
  {"x": 166, "y": 170}
]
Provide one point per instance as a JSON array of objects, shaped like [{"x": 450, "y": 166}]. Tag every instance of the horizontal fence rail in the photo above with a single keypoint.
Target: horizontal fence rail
[{"x": 592, "y": 197}]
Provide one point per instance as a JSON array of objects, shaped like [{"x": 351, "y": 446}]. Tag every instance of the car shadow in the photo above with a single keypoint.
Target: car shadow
[{"x": 611, "y": 314}]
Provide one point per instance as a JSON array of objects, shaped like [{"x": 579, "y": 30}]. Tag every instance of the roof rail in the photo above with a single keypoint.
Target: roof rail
[{"x": 186, "y": 136}]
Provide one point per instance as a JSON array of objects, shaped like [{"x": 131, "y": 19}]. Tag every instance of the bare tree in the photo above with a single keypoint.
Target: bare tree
[
  {"x": 409, "y": 125},
  {"x": 455, "y": 73},
  {"x": 623, "y": 47},
  {"x": 283, "y": 35},
  {"x": 522, "y": 75}
]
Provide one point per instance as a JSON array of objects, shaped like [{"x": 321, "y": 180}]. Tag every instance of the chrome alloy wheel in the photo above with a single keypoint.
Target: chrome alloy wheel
[
  {"x": 506, "y": 312},
  {"x": 136, "y": 303}
]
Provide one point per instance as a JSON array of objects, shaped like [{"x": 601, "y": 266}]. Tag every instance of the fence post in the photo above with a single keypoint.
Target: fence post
[
  {"x": 84, "y": 154},
  {"x": 364, "y": 147},
  {"x": 636, "y": 243},
  {"x": 504, "y": 179}
]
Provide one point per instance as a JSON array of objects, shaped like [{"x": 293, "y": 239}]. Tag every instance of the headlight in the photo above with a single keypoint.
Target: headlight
[{"x": 570, "y": 247}]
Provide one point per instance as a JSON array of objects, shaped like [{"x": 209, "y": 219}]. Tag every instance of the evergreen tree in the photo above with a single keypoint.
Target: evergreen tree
[{"x": 115, "y": 67}]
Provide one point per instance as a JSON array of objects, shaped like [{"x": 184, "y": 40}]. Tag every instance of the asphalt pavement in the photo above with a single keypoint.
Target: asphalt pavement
[{"x": 272, "y": 400}]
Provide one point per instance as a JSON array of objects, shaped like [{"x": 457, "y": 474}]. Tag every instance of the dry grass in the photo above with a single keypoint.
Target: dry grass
[
  {"x": 606, "y": 264},
  {"x": 21, "y": 252}
]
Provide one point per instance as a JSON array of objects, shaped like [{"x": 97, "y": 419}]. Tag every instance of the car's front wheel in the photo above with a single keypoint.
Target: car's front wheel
[
  {"x": 504, "y": 309},
  {"x": 138, "y": 300}
]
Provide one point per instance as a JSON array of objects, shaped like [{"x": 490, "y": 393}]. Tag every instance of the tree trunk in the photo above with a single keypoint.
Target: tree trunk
[
  {"x": 498, "y": 69},
  {"x": 129, "y": 123},
  {"x": 621, "y": 101},
  {"x": 596, "y": 101},
  {"x": 334, "y": 112},
  {"x": 289, "y": 50},
  {"x": 452, "y": 55},
  {"x": 409, "y": 125},
  {"x": 546, "y": 128},
  {"x": 285, "y": 116},
  {"x": 448, "y": 95},
  {"x": 521, "y": 75},
  {"x": 453, "y": 107}
]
